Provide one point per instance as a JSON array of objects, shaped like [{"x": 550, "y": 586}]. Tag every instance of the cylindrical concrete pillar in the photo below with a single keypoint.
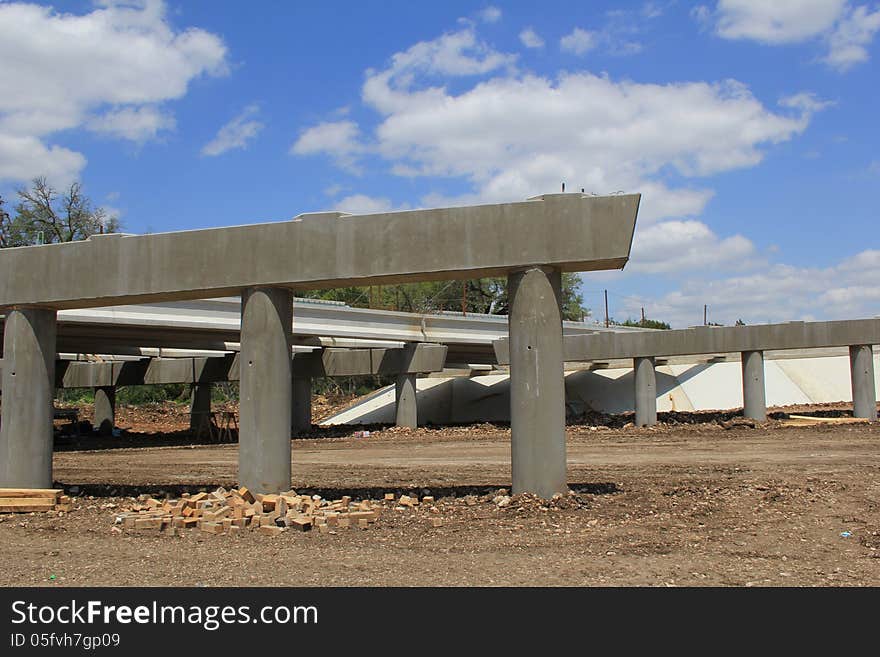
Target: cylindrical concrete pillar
[
  {"x": 406, "y": 406},
  {"x": 864, "y": 394},
  {"x": 301, "y": 404},
  {"x": 754, "y": 396},
  {"x": 28, "y": 390},
  {"x": 537, "y": 386},
  {"x": 265, "y": 389},
  {"x": 105, "y": 410},
  {"x": 200, "y": 408},
  {"x": 645, "y": 381}
]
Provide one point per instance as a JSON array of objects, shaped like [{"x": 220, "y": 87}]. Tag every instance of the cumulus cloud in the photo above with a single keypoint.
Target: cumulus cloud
[
  {"x": 339, "y": 139},
  {"x": 235, "y": 134},
  {"x": 673, "y": 246},
  {"x": 137, "y": 124},
  {"x": 109, "y": 70},
  {"x": 530, "y": 39},
  {"x": 845, "y": 29},
  {"x": 776, "y": 293},
  {"x": 780, "y": 21},
  {"x": 848, "y": 43},
  {"x": 579, "y": 41},
  {"x": 363, "y": 204}
]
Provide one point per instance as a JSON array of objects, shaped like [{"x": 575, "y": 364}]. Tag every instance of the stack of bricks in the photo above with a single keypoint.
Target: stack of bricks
[{"x": 229, "y": 512}]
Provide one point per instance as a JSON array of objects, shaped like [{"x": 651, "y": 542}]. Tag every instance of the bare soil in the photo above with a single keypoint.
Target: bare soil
[{"x": 708, "y": 500}]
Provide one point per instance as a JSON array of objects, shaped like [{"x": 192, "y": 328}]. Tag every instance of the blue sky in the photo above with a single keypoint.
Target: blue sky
[{"x": 749, "y": 127}]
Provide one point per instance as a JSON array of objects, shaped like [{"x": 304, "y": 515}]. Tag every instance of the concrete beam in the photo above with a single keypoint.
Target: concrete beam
[
  {"x": 861, "y": 361},
  {"x": 26, "y": 433},
  {"x": 714, "y": 340},
  {"x": 571, "y": 232},
  {"x": 215, "y": 369},
  {"x": 265, "y": 390},
  {"x": 537, "y": 387}
]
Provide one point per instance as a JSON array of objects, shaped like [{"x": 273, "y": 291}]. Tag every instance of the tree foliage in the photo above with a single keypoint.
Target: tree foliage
[
  {"x": 46, "y": 216},
  {"x": 645, "y": 323},
  {"x": 483, "y": 295}
]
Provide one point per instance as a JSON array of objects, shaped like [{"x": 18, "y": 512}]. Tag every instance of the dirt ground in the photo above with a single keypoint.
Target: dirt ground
[{"x": 714, "y": 502}]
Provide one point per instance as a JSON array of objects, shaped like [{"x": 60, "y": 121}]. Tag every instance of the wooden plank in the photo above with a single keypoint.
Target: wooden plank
[
  {"x": 27, "y": 508},
  {"x": 30, "y": 492},
  {"x": 18, "y": 501}
]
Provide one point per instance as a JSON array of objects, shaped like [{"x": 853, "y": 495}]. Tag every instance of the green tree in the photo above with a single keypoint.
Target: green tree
[
  {"x": 44, "y": 215},
  {"x": 645, "y": 323},
  {"x": 483, "y": 295}
]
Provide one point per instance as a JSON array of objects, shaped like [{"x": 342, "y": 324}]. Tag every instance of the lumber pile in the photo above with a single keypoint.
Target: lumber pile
[
  {"x": 810, "y": 420},
  {"x": 28, "y": 500},
  {"x": 231, "y": 511}
]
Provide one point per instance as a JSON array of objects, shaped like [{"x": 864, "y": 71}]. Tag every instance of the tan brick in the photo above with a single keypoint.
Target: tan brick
[
  {"x": 428, "y": 499},
  {"x": 302, "y": 524},
  {"x": 246, "y": 495},
  {"x": 271, "y": 530},
  {"x": 389, "y": 497},
  {"x": 148, "y": 523},
  {"x": 363, "y": 523},
  {"x": 212, "y": 527}
]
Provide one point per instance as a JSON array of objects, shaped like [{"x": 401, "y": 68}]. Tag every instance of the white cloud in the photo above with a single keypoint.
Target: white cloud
[
  {"x": 531, "y": 39},
  {"x": 340, "y": 139},
  {"x": 675, "y": 246},
  {"x": 579, "y": 41},
  {"x": 235, "y": 134},
  {"x": 845, "y": 28},
  {"x": 108, "y": 70},
  {"x": 779, "y": 21},
  {"x": 363, "y": 204},
  {"x": 848, "y": 43},
  {"x": 775, "y": 293},
  {"x": 490, "y": 14},
  {"x": 137, "y": 124},
  {"x": 23, "y": 158}
]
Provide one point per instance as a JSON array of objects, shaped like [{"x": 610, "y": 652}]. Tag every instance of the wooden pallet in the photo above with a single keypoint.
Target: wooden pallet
[{"x": 27, "y": 500}]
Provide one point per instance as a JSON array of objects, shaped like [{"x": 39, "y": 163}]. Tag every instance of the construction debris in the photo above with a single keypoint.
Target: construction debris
[
  {"x": 228, "y": 512},
  {"x": 27, "y": 500},
  {"x": 810, "y": 420}
]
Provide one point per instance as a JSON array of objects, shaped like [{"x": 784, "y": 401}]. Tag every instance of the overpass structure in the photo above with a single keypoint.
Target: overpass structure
[
  {"x": 750, "y": 341},
  {"x": 530, "y": 242}
]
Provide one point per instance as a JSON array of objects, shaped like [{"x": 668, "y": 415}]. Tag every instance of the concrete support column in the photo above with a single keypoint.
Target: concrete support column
[
  {"x": 645, "y": 380},
  {"x": 301, "y": 404},
  {"x": 537, "y": 386},
  {"x": 105, "y": 410},
  {"x": 754, "y": 395},
  {"x": 28, "y": 389},
  {"x": 265, "y": 389},
  {"x": 861, "y": 364},
  {"x": 407, "y": 413},
  {"x": 199, "y": 407}
]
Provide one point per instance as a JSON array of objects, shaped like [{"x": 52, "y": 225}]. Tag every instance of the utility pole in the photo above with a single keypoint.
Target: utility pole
[
  {"x": 643, "y": 314},
  {"x": 705, "y": 315},
  {"x": 607, "y": 323}
]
